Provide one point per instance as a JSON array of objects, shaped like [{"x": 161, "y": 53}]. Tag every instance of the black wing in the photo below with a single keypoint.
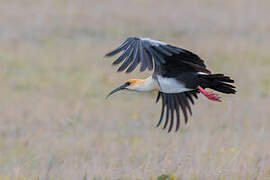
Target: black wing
[
  {"x": 151, "y": 53},
  {"x": 172, "y": 103}
]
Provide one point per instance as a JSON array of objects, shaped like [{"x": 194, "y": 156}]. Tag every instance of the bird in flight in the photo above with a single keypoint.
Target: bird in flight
[{"x": 179, "y": 76}]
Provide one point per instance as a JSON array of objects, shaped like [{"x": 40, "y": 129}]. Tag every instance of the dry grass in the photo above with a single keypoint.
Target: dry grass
[{"x": 56, "y": 124}]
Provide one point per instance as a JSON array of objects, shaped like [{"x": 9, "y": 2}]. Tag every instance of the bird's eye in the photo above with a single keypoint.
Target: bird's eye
[{"x": 127, "y": 83}]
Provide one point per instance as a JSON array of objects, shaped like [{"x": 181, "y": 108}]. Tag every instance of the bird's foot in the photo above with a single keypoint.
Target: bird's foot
[{"x": 210, "y": 95}]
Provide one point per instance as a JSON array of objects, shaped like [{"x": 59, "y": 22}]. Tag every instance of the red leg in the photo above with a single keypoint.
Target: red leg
[{"x": 210, "y": 95}]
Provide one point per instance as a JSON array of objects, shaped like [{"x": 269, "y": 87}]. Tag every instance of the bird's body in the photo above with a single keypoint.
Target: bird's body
[
  {"x": 165, "y": 84},
  {"x": 179, "y": 75},
  {"x": 176, "y": 85}
]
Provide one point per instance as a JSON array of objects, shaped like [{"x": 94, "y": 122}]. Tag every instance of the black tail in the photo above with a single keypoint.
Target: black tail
[{"x": 217, "y": 82}]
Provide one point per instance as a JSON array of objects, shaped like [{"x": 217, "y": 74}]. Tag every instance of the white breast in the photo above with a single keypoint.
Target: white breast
[{"x": 170, "y": 85}]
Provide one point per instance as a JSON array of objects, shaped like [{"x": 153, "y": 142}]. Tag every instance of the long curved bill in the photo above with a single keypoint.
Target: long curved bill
[{"x": 122, "y": 87}]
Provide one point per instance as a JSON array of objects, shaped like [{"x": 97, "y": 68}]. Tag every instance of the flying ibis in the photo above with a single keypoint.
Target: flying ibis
[{"x": 178, "y": 76}]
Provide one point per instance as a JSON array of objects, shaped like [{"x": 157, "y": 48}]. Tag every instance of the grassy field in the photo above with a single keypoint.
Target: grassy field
[{"x": 56, "y": 124}]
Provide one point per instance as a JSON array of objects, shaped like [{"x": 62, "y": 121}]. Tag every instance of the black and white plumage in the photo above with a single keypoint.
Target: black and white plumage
[
  {"x": 145, "y": 51},
  {"x": 178, "y": 76}
]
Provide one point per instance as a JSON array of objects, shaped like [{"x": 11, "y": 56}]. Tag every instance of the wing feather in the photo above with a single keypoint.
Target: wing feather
[
  {"x": 157, "y": 55},
  {"x": 127, "y": 61},
  {"x": 167, "y": 111},
  {"x": 170, "y": 49},
  {"x": 190, "y": 98},
  {"x": 135, "y": 60},
  {"x": 122, "y": 47},
  {"x": 172, "y": 112},
  {"x": 162, "y": 50},
  {"x": 177, "y": 115},
  {"x": 162, "y": 110},
  {"x": 123, "y": 56},
  {"x": 174, "y": 102},
  {"x": 143, "y": 60},
  {"x": 148, "y": 59},
  {"x": 150, "y": 52},
  {"x": 186, "y": 103},
  {"x": 182, "y": 105}
]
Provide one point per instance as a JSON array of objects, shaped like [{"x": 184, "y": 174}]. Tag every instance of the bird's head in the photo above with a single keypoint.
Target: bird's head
[{"x": 130, "y": 84}]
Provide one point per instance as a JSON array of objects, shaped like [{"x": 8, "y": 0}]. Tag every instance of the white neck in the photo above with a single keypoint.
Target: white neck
[{"x": 147, "y": 84}]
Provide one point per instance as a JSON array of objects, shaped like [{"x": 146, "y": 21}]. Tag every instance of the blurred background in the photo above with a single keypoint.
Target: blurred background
[{"x": 56, "y": 124}]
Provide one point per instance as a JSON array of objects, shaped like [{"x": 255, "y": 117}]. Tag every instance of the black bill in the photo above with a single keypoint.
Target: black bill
[{"x": 118, "y": 89}]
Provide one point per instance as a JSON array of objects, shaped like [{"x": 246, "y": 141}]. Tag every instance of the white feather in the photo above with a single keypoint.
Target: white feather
[
  {"x": 201, "y": 73},
  {"x": 153, "y": 42},
  {"x": 148, "y": 85},
  {"x": 171, "y": 85}
]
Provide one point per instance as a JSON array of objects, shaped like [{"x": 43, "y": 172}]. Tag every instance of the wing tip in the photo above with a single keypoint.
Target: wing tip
[
  {"x": 107, "y": 55},
  {"x": 181, "y": 102}
]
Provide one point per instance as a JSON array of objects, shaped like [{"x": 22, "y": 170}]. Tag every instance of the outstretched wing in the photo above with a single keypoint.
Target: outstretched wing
[
  {"x": 171, "y": 105},
  {"x": 151, "y": 53}
]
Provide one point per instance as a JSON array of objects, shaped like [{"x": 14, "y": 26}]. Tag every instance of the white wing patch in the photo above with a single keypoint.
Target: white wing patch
[
  {"x": 202, "y": 73},
  {"x": 153, "y": 42},
  {"x": 170, "y": 85}
]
